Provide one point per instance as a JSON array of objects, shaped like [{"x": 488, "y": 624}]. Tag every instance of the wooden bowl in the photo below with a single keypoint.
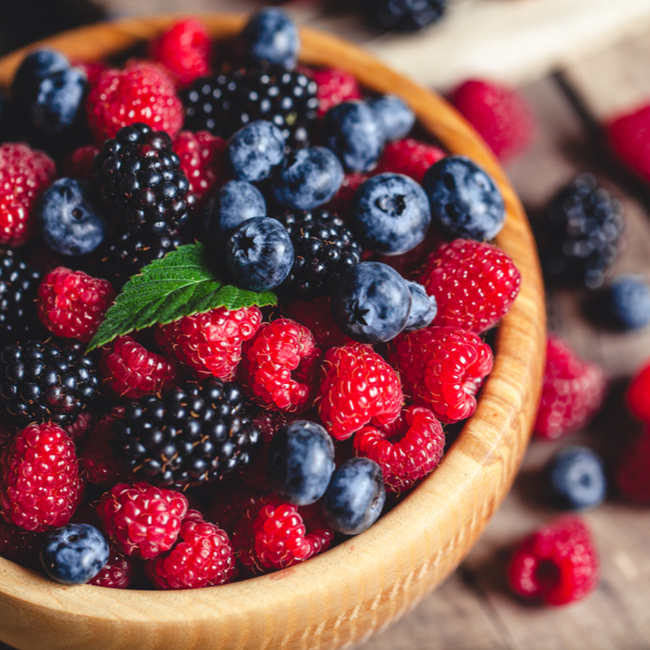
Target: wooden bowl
[{"x": 360, "y": 587}]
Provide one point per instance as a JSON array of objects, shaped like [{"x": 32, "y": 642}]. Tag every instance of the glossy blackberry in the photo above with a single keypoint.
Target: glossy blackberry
[
  {"x": 224, "y": 103},
  {"x": 324, "y": 248},
  {"x": 42, "y": 382},
  {"x": 193, "y": 434},
  {"x": 579, "y": 234},
  {"x": 141, "y": 182},
  {"x": 19, "y": 284}
]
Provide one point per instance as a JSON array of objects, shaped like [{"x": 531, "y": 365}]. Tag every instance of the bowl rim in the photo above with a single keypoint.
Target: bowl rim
[{"x": 504, "y": 413}]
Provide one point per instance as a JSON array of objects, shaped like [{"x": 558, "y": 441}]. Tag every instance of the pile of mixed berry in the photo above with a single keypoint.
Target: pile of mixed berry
[{"x": 238, "y": 305}]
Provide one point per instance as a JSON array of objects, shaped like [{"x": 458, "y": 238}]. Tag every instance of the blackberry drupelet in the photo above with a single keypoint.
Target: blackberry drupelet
[
  {"x": 42, "y": 382},
  {"x": 324, "y": 248},
  {"x": 579, "y": 234},
  {"x": 141, "y": 182},
  {"x": 195, "y": 433},
  {"x": 224, "y": 103},
  {"x": 404, "y": 15},
  {"x": 19, "y": 284}
]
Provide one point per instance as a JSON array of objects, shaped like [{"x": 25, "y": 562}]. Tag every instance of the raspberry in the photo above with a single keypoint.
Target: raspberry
[
  {"x": 334, "y": 86},
  {"x": 572, "y": 392},
  {"x": 98, "y": 462},
  {"x": 557, "y": 564},
  {"x": 442, "y": 368},
  {"x": 410, "y": 157},
  {"x": 229, "y": 503},
  {"x": 629, "y": 136},
  {"x": 316, "y": 316},
  {"x": 474, "y": 284},
  {"x": 210, "y": 343},
  {"x": 638, "y": 394},
  {"x": 71, "y": 304},
  {"x": 118, "y": 573},
  {"x": 359, "y": 387},
  {"x": 141, "y": 519},
  {"x": 632, "y": 475},
  {"x": 407, "y": 450},
  {"x": 201, "y": 156},
  {"x": 130, "y": 370},
  {"x": 79, "y": 164},
  {"x": 39, "y": 482},
  {"x": 273, "y": 535},
  {"x": 141, "y": 92},
  {"x": 499, "y": 114},
  {"x": 184, "y": 50},
  {"x": 24, "y": 176},
  {"x": 20, "y": 546},
  {"x": 269, "y": 359},
  {"x": 202, "y": 557}
]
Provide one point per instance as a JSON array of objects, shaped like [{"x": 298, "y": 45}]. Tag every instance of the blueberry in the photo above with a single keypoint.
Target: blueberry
[
  {"x": 301, "y": 462},
  {"x": 35, "y": 67},
  {"x": 465, "y": 201},
  {"x": 394, "y": 116},
  {"x": 259, "y": 254},
  {"x": 235, "y": 202},
  {"x": 353, "y": 133},
  {"x": 390, "y": 214},
  {"x": 272, "y": 37},
  {"x": 74, "y": 553},
  {"x": 254, "y": 150},
  {"x": 371, "y": 302},
  {"x": 70, "y": 218},
  {"x": 577, "y": 478},
  {"x": 628, "y": 301},
  {"x": 308, "y": 178},
  {"x": 354, "y": 497},
  {"x": 423, "y": 307}
]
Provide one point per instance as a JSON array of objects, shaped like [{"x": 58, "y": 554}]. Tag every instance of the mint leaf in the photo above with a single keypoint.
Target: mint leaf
[{"x": 180, "y": 284}]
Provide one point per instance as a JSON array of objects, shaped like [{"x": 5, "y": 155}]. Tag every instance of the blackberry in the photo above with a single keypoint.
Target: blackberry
[
  {"x": 224, "y": 103},
  {"x": 579, "y": 234},
  {"x": 404, "y": 15},
  {"x": 324, "y": 248},
  {"x": 141, "y": 182},
  {"x": 19, "y": 284},
  {"x": 195, "y": 433},
  {"x": 42, "y": 382}
]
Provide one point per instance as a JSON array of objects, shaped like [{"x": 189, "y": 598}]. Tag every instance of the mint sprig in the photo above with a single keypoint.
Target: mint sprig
[{"x": 180, "y": 284}]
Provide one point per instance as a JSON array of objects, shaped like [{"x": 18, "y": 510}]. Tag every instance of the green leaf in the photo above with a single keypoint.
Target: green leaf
[{"x": 180, "y": 284}]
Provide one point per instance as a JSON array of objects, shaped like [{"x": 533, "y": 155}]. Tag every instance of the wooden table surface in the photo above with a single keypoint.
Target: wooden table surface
[{"x": 473, "y": 609}]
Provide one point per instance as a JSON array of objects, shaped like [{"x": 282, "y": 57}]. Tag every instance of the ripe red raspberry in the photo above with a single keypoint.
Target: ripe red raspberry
[
  {"x": 442, "y": 368},
  {"x": 316, "y": 316},
  {"x": 229, "y": 502},
  {"x": 638, "y": 394},
  {"x": 557, "y": 564},
  {"x": 573, "y": 390},
  {"x": 279, "y": 349},
  {"x": 629, "y": 136},
  {"x": 98, "y": 462},
  {"x": 184, "y": 50},
  {"x": 406, "y": 450},
  {"x": 202, "y": 557},
  {"x": 274, "y": 535},
  {"x": 359, "y": 387},
  {"x": 24, "y": 176},
  {"x": 141, "y": 519},
  {"x": 474, "y": 284},
  {"x": 79, "y": 164},
  {"x": 410, "y": 157},
  {"x": 39, "y": 481},
  {"x": 210, "y": 343},
  {"x": 334, "y": 86},
  {"x": 633, "y": 471},
  {"x": 201, "y": 156},
  {"x": 130, "y": 370},
  {"x": 340, "y": 204},
  {"x": 141, "y": 92},
  {"x": 499, "y": 114},
  {"x": 20, "y": 546},
  {"x": 118, "y": 573},
  {"x": 71, "y": 304}
]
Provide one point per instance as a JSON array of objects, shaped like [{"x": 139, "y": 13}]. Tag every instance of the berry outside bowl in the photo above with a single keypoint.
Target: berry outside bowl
[{"x": 357, "y": 589}]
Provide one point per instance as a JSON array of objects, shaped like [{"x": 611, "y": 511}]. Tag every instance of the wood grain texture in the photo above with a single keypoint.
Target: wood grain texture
[{"x": 345, "y": 595}]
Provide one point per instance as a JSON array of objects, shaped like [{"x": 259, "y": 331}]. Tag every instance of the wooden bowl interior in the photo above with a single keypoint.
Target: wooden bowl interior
[{"x": 342, "y": 596}]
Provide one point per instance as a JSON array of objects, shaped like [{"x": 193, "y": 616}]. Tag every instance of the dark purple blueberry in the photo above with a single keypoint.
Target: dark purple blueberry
[
  {"x": 254, "y": 150},
  {"x": 423, "y": 307},
  {"x": 271, "y": 37},
  {"x": 394, "y": 116},
  {"x": 577, "y": 479}
]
